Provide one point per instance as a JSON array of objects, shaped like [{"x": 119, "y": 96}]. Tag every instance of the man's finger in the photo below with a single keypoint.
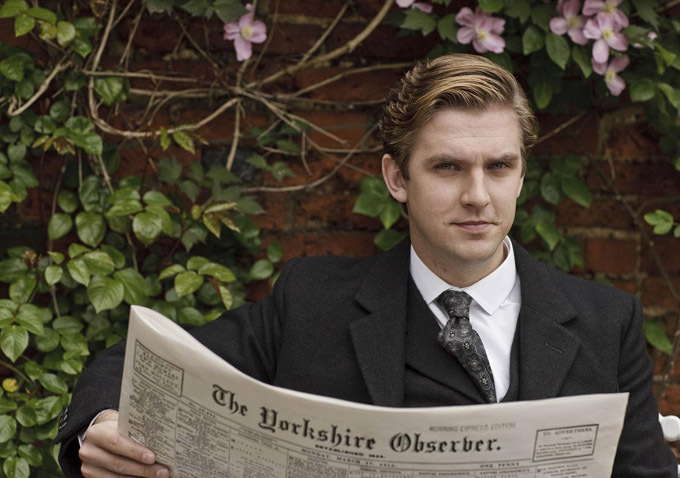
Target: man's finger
[
  {"x": 105, "y": 435},
  {"x": 96, "y": 460},
  {"x": 95, "y": 472}
]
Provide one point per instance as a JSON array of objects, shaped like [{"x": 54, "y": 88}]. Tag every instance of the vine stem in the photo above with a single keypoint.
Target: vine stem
[
  {"x": 322, "y": 179},
  {"x": 11, "y": 367},
  {"x": 346, "y": 48},
  {"x": 325, "y": 34},
  {"x": 43, "y": 87}
]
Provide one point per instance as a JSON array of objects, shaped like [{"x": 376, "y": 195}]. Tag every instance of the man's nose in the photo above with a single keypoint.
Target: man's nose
[{"x": 475, "y": 191}]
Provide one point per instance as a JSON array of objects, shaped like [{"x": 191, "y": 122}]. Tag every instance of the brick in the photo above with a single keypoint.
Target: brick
[
  {"x": 626, "y": 286},
  {"x": 25, "y": 41},
  {"x": 349, "y": 127},
  {"x": 370, "y": 163},
  {"x": 633, "y": 141},
  {"x": 158, "y": 35},
  {"x": 601, "y": 213},
  {"x": 332, "y": 210},
  {"x": 287, "y": 39},
  {"x": 667, "y": 249},
  {"x": 610, "y": 256},
  {"x": 656, "y": 293},
  {"x": 327, "y": 8},
  {"x": 275, "y": 216},
  {"x": 669, "y": 404},
  {"x": 348, "y": 243},
  {"x": 645, "y": 177},
  {"x": 369, "y": 86},
  {"x": 583, "y": 134},
  {"x": 383, "y": 43}
]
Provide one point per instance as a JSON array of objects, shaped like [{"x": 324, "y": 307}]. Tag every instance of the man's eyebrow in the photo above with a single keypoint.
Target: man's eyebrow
[{"x": 439, "y": 158}]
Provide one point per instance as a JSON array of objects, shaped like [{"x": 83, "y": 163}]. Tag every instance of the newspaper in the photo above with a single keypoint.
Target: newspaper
[{"x": 203, "y": 419}]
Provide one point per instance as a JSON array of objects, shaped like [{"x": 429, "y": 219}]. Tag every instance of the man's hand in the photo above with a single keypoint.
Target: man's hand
[{"x": 106, "y": 454}]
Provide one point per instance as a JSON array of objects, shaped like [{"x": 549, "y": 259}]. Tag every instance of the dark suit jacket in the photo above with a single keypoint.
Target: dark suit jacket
[{"x": 345, "y": 328}]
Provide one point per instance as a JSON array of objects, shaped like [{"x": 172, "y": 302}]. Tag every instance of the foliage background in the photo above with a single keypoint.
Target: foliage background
[{"x": 140, "y": 162}]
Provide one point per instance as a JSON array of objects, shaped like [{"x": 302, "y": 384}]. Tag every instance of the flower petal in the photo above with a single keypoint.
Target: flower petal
[
  {"x": 558, "y": 25},
  {"x": 259, "y": 32},
  {"x": 616, "y": 85},
  {"x": 600, "y": 51},
  {"x": 599, "y": 68},
  {"x": 465, "y": 35},
  {"x": 620, "y": 18},
  {"x": 493, "y": 43},
  {"x": 592, "y": 30},
  {"x": 405, "y": 3},
  {"x": 479, "y": 47},
  {"x": 618, "y": 42},
  {"x": 244, "y": 49},
  {"x": 423, "y": 7},
  {"x": 570, "y": 8},
  {"x": 231, "y": 31},
  {"x": 619, "y": 63},
  {"x": 497, "y": 25},
  {"x": 465, "y": 17},
  {"x": 591, "y": 7},
  {"x": 577, "y": 36}
]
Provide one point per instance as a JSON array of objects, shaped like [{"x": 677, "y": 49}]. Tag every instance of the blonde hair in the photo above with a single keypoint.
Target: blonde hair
[{"x": 458, "y": 81}]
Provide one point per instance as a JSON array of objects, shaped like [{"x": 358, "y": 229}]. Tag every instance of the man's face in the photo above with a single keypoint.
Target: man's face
[{"x": 465, "y": 173}]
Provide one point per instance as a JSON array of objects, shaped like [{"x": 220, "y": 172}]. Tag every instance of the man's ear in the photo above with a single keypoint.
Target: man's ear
[
  {"x": 521, "y": 183},
  {"x": 396, "y": 184}
]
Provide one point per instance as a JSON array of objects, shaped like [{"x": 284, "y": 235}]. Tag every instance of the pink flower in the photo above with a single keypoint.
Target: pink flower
[
  {"x": 602, "y": 30},
  {"x": 481, "y": 29},
  {"x": 425, "y": 7},
  {"x": 570, "y": 22},
  {"x": 606, "y": 8},
  {"x": 613, "y": 81},
  {"x": 245, "y": 32}
]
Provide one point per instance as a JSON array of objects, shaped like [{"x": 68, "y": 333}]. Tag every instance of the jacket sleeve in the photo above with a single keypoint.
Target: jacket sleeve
[
  {"x": 642, "y": 452},
  {"x": 246, "y": 337}
]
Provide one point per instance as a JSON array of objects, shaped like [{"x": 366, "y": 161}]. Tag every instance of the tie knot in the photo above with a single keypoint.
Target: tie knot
[{"x": 455, "y": 303}]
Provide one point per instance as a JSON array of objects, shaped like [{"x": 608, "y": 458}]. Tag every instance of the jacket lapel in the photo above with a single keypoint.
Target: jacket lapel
[
  {"x": 547, "y": 347},
  {"x": 379, "y": 337}
]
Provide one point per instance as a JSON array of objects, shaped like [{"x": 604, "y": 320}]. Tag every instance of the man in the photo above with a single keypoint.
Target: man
[{"x": 459, "y": 315}]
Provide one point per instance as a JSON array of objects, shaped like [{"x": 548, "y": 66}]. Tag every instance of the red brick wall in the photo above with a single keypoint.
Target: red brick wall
[{"x": 625, "y": 164}]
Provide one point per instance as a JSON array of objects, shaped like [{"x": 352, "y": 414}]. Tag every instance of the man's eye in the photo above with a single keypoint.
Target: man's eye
[
  {"x": 445, "y": 166},
  {"x": 499, "y": 165}
]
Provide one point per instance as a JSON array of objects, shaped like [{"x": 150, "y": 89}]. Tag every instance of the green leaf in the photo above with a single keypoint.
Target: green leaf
[
  {"x": 12, "y": 68},
  {"x": 90, "y": 227},
  {"x": 643, "y": 89},
  {"x": 79, "y": 271},
  {"x": 390, "y": 213},
  {"x": 5, "y": 196},
  {"x": 550, "y": 188},
  {"x": 171, "y": 271},
  {"x": 261, "y": 270},
  {"x": 549, "y": 233},
  {"x": 190, "y": 316},
  {"x": 47, "y": 341},
  {"x": 31, "y": 454},
  {"x": 491, "y": 6},
  {"x": 29, "y": 317},
  {"x": 11, "y": 269},
  {"x": 187, "y": 282},
  {"x": 16, "y": 467},
  {"x": 21, "y": 289},
  {"x": 184, "y": 140},
  {"x": 75, "y": 250},
  {"x": 98, "y": 262},
  {"x": 91, "y": 143},
  {"x": 53, "y": 274},
  {"x": 109, "y": 89},
  {"x": 274, "y": 252},
  {"x": 7, "y": 405},
  {"x": 533, "y": 40},
  {"x": 13, "y": 342},
  {"x": 249, "y": 205},
  {"x": 543, "y": 93},
  {"x": 59, "y": 225},
  {"x": 196, "y": 262},
  {"x": 48, "y": 31},
  {"x": 79, "y": 125},
  {"x": 134, "y": 285},
  {"x": 582, "y": 59},
  {"x": 8, "y": 428},
  {"x": 369, "y": 205},
  {"x": 169, "y": 170},
  {"x": 53, "y": 383},
  {"x": 60, "y": 111},
  {"x": 541, "y": 15},
  {"x": 519, "y": 9},
  {"x": 66, "y": 324},
  {"x": 16, "y": 152},
  {"x": 419, "y": 20},
  {"x": 287, "y": 145},
  {"x": 218, "y": 271},
  {"x": 577, "y": 190},
  {"x": 147, "y": 227},
  {"x": 82, "y": 46},
  {"x": 42, "y": 14},
  {"x": 66, "y": 33},
  {"x": 388, "y": 238},
  {"x": 647, "y": 11},
  {"x": 229, "y": 10},
  {"x": 105, "y": 293},
  {"x": 12, "y": 8},
  {"x": 26, "y": 416},
  {"x": 673, "y": 94},
  {"x": 558, "y": 49},
  {"x": 23, "y": 24},
  {"x": 67, "y": 201},
  {"x": 655, "y": 333},
  {"x": 156, "y": 198},
  {"x": 125, "y": 208},
  {"x": 57, "y": 257},
  {"x": 225, "y": 296}
]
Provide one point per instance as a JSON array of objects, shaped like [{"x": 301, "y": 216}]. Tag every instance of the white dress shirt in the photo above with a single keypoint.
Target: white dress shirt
[{"x": 493, "y": 312}]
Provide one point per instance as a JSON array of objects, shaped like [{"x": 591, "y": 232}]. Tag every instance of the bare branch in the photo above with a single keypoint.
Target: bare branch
[
  {"x": 325, "y": 34},
  {"x": 43, "y": 87}
]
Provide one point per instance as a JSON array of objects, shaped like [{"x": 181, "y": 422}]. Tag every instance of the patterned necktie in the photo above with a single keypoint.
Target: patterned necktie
[{"x": 460, "y": 339}]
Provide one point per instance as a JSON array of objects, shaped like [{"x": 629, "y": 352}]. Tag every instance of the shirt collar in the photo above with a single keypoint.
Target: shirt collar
[{"x": 489, "y": 292}]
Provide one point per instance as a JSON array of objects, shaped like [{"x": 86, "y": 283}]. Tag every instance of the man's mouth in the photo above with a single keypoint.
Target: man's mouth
[{"x": 473, "y": 226}]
